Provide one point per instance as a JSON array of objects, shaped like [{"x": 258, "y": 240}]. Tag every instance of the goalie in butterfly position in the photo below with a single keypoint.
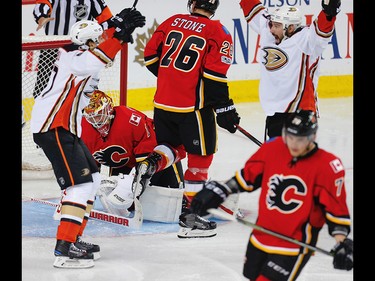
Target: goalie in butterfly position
[
  {"x": 56, "y": 127},
  {"x": 302, "y": 187},
  {"x": 119, "y": 137}
]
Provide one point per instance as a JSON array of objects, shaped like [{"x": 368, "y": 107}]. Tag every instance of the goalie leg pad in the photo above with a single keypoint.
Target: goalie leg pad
[{"x": 161, "y": 204}]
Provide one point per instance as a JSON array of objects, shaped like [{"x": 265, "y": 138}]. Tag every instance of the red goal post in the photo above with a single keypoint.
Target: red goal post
[
  {"x": 113, "y": 81},
  {"x": 28, "y": 2}
]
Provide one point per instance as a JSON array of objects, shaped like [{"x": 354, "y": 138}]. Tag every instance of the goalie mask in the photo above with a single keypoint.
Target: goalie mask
[
  {"x": 286, "y": 16},
  {"x": 85, "y": 30},
  {"x": 99, "y": 112},
  {"x": 208, "y": 5}
]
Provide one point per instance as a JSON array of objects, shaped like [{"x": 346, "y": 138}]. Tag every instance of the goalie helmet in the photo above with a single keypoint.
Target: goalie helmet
[
  {"x": 208, "y": 5},
  {"x": 85, "y": 30},
  {"x": 99, "y": 112},
  {"x": 287, "y": 15},
  {"x": 301, "y": 123}
]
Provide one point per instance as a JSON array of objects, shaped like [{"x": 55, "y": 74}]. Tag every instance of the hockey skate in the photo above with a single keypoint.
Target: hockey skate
[
  {"x": 69, "y": 256},
  {"x": 88, "y": 247},
  {"x": 194, "y": 226}
]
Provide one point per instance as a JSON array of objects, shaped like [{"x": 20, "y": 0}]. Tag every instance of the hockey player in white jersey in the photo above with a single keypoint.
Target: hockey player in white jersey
[
  {"x": 56, "y": 127},
  {"x": 290, "y": 55}
]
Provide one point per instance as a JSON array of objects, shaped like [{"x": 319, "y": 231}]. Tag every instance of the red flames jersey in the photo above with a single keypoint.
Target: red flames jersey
[
  {"x": 295, "y": 196},
  {"x": 190, "y": 55},
  {"x": 130, "y": 139}
]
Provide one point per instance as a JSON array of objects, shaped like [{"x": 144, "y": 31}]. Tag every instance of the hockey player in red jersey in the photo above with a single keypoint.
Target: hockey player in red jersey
[
  {"x": 119, "y": 137},
  {"x": 290, "y": 56},
  {"x": 190, "y": 54},
  {"x": 302, "y": 187},
  {"x": 56, "y": 126}
]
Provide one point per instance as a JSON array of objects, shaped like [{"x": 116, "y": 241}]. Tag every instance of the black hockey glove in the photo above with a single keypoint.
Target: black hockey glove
[
  {"x": 211, "y": 196},
  {"x": 227, "y": 116},
  {"x": 144, "y": 171},
  {"x": 331, "y": 8},
  {"x": 343, "y": 255},
  {"x": 126, "y": 22}
]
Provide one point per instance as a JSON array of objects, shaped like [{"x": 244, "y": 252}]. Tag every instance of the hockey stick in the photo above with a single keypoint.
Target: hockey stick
[
  {"x": 247, "y": 134},
  {"x": 223, "y": 215},
  {"x": 134, "y": 222},
  {"x": 134, "y": 4}
]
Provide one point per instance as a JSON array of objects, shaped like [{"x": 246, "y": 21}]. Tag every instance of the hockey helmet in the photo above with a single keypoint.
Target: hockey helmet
[
  {"x": 99, "y": 112},
  {"x": 301, "y": 123},
  {"x": 208, "y": 5},
  {"x": 85, "y": 30},
  {"x": 287, "y": 15}
]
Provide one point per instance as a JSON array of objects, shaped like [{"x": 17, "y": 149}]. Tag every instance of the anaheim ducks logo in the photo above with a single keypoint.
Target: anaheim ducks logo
[
  {"x": 274, "y": 58},
  {"x": 112, "y": 156},
  {"x": 286, "y": 194}
]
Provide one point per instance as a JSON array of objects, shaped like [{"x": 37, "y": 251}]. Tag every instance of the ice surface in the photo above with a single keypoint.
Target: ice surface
[{"x": 154, "y": 253}]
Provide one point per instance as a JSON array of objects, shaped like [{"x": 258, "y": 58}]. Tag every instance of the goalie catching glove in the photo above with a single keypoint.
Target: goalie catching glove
[
  {"x": 115, "y": 194},
  {"x": 343, "y": 255},
  {"x": 211, "y": 196},
  {"x": 331, "y": 8},
  {"x": 227, "y": 116},
  {"x": 126, "y": 22}
]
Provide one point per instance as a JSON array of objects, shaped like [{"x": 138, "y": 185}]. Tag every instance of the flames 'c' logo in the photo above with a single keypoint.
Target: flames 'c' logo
[
  {"x": 285, "y": 193},
  {"x": 114, "y": 156},
  {"x": 274, "y": 58}
]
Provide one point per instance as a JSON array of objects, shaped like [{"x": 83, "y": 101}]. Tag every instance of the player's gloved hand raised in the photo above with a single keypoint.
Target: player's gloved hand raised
[
  {"x": 343, "y": 255},
  {"x": 227, "y": 116},
  {"x": 331, "y": 8},
  {"x": 211, "y": 196},
  {"x": 126, "y": 22},
  {"x": 129, "y": 19}
]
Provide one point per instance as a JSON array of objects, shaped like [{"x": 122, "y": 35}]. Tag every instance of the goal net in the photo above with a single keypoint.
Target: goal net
[{"x": 38, "y": 56}]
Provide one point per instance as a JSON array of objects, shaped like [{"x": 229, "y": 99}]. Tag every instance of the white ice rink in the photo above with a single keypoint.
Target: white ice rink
[{"x": 164, "y": 257}]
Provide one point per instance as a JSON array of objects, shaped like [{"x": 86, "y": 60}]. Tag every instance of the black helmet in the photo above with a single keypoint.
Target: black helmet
[
  {"x": 208, "y": 5},
  {"x": 301, "y": 123}
]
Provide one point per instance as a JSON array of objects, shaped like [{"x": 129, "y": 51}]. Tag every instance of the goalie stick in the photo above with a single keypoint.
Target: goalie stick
[
  {"x": 133, "y": 222},
  {"x": 247, "y": 134},
  {"x": 223, "y": 215}
]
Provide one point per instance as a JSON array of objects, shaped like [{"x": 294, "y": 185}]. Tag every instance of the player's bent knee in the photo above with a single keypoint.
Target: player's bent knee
[{"x": 78, "y": 193}]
